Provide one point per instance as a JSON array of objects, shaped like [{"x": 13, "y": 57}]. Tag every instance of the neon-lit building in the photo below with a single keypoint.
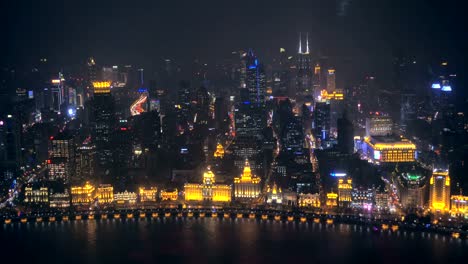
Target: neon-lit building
[
  {"x": 169, "y": 195},
  {"x": 219, "y": 153},
  {"x": 363, "y": 198},
  {"x": 345, "y": 187},
  {"x": 208, "y": 190},
  {"x": 439, "y": 191},
  {"x": 246, "y": 186},
  {"x": 459, "y": 205},
  {"x": 389, "y": 149},
  {"x": 83, "y": 194},
  {"x": 105, "y": 193},
  {"x": 147, "y": 194}
]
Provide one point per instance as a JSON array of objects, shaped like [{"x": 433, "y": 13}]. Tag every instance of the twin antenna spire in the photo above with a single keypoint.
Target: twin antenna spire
[{"x": 307, "y": 44}]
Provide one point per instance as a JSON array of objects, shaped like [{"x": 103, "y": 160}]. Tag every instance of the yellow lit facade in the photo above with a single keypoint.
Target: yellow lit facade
[
  {"x": 219, "y": 153},
  {"x": 101, "y": 87},
  {"x": 147, "y": 194},
  {"x": 274, "y": 194},
  {"x": 208, "y": 190},
  {"x": 332, "y": 199},
  {"x": 459, "y": 205},
  {"x": 36, "y": 195},
  {"x": 105, "y": 193},
  {"x": 169, "y": 195},
  {"x": 439, "y": 191},
  {"x": 82, "y": 194},
  {"x": 125, "y": 197},
  {"x": 334, "y": 95},
  {"x": 247, "y": 185},
  {"x": 309, "y": 200},
  {"x": 345, "y": 188},
  {"x": 384, "y": 149}
]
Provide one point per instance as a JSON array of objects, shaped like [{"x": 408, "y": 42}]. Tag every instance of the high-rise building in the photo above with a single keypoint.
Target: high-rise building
[
  {"x": 103, "y": 121},
  {"x": 345, "y": 135},
  {"x": 292, "y": 136},
  {"x": 321, "y": 123},
  {"x": 304, "y": 86},
  {"x": 255, "y": 80},
  {"x": 331, "y": 80},
  {"x": 412, "y": 189},
  {"x": 247, "y": 186},
  {"x": 439, "y": 191},
  {"x": 63, "y": 152}
]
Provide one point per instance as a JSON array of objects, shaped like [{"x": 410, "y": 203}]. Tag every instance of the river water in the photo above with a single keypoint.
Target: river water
[{"x": 210, "y": 240}]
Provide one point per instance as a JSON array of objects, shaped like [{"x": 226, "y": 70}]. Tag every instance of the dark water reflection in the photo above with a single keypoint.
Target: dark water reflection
[{"x": 221, "y": 241}]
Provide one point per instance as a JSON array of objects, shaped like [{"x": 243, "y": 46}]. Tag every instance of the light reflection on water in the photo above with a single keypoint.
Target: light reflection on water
[{"x": 207, "y": 240}]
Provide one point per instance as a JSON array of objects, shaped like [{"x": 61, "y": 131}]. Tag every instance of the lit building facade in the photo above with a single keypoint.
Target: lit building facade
[
  {"x": 36, "y": 195},
  {"x": 147, "y": 194},
  {"x": 274, "y": 194},
  {"x": 389, "y": 149},
  {"x": 124, "y": 198},
  {"x": 208, "y": 190},
  {"x": 459, "y": 205},
  {"x": 345, "y": 187},
  {"x": 169, "y": 195},
  {"x": 105, "y": 193},
  {"x": 332, "y": 200},
  {"x": 379, "y": 124},
  {"x": 247, "y": 186},
  {"x": 309, "y": 200},
  {"x": 439, "y": 191},
  {"x": 411, "y": 189},
  {"x": 83, "y": 194},
  {"x": 363, "y": 198},
  {"x": 59, "y": 200}
]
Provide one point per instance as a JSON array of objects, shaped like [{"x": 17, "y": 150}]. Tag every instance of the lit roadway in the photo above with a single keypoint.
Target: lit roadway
[
  {"x": 136, "y": 108},
  {"x": 27, "y": 177}
]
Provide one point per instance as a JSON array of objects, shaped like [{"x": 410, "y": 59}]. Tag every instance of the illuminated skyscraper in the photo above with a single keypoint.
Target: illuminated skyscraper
[
  {"x": 255, "y": 80},
  {"x": 439, "y": 191},
  {"x": 321, "y": 125},
  {"x": 304, "y": 86},
  {"x": 103, "y": 122}
]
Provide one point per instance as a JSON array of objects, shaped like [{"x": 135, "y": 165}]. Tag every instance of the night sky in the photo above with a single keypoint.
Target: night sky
[{"x": 366, "y": 33}]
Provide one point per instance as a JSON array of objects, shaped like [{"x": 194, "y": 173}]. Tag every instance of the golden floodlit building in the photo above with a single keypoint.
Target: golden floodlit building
[
  {"x": 332, "y": 199},
  {"x": 345, "y": 187},
  {"x": 219, "y": 153},
  {"x": 147, "y": 194},
  {"x": 247, "y": 186},
  {"x": 82, "y": 194},
  {"x": 389, "y": 149},
  {"x": 459, "y": 205},
  {"x": 105, "y": 193},
  {"x": 169, "y": 195},
  {"x": 208, "y": 190},
  {"x": 439, "y": 191},
  {"x": 36, "y": 195},
  {"x": 274, "y": 194}
]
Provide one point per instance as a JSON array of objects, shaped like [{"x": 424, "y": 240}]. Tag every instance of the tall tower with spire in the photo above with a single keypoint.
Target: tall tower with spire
[{"x": 304, "y": 86}]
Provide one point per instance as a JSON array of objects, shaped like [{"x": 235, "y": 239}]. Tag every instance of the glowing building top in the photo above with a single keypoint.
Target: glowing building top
[
  {"x": 219, "y": 153},
  {"x": 101, "y": 87},
  {"x": 208, "y": 177},
  {"x": 247, "y": 176},
  {"x": 334, "y": 95}
]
